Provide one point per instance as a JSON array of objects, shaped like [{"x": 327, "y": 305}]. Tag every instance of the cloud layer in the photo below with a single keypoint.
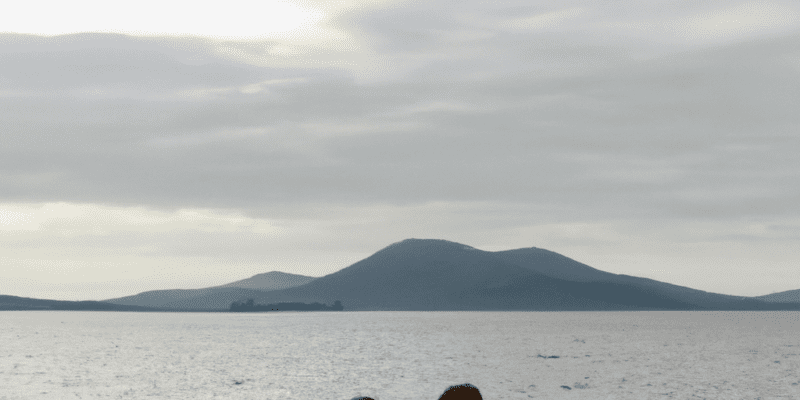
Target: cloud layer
[{"x": 435, "y": 115}]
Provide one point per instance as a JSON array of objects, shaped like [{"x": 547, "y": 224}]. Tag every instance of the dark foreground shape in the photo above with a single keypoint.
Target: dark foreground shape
[
  {"x": 461, "y": 392},
  {"x": 362, "y": 398}
]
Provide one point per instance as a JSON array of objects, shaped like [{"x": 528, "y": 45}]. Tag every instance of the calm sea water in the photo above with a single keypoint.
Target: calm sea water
[{"x": 399, "y": 355}]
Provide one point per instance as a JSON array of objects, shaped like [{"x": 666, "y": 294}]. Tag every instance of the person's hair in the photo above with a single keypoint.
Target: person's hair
[{"x": 464, "y": 391}]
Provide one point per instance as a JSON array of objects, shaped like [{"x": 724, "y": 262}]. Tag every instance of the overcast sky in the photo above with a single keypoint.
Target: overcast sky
[{"x": 184, "y": 145}]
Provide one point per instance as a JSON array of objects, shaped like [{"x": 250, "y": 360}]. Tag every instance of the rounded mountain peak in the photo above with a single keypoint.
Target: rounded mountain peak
[
  {"x": 430, "y": 244},
  {"x": 273, "y": 273}
]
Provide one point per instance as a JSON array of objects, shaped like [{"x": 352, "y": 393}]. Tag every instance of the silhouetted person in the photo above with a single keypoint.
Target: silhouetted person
[{"x": 464, "y": 391}]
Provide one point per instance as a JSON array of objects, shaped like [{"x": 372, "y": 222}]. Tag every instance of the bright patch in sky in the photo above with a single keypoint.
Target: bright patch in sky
[
  {"x": 243, "y": 19},
  {"x": 748, "y": 18},
  {"x": 93, "y": 219},
  {"x": 551, "y": 20}
]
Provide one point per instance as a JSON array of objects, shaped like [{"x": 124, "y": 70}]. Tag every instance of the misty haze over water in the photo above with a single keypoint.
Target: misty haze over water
[{"x": 399, "y": 355}]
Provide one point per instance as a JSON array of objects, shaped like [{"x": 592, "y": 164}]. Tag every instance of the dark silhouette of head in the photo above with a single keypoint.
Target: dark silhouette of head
[
  {"x": 464, "y": 391},
  {"x": 362, "y": 398}
]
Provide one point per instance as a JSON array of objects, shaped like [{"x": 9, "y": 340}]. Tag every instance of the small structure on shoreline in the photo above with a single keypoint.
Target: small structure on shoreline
[{"x": 250, "y": 306}]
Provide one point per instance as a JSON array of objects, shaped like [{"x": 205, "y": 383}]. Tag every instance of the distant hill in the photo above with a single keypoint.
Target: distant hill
[
  {"x": 552, "y": 264},
  {"x": 789, "y": 296},
  {"x": 213, "y": 297},
  {"x": 25, "y": 303},
  {"x": 420, "y": 274},
  {"x": 270, "y": 281}
]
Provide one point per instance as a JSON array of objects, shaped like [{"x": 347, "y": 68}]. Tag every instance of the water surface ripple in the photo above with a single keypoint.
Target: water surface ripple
[{"x": 399, "y": 355}]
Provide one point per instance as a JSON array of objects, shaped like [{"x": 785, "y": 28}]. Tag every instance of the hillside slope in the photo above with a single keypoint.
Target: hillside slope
[
  {"x": 789, "y": 296},
  {"x": 273, "y": 280},
  {"x": 558, "y": 266}
]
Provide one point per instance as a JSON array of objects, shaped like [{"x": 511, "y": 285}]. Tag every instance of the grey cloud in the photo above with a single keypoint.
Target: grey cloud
[
  {"x": 560, "y": 120},
  {"x": 107, "y": 68},
  {"x": 125, "y": 65}
]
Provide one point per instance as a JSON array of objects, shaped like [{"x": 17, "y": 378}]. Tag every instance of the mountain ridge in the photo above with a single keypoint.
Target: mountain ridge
[{"x": 436, "y": 274}]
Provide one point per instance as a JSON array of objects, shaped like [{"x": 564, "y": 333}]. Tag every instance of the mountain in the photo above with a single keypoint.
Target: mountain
[
  {"x": 25, "y": 303},
  {"x": 420, "y": 274},
  {"x": 789, "y": 296},
  {"x": 212, "y": 297}
]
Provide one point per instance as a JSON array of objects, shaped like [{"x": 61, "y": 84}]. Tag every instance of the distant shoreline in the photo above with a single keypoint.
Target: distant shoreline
[{"x": 399, "y": 311}]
